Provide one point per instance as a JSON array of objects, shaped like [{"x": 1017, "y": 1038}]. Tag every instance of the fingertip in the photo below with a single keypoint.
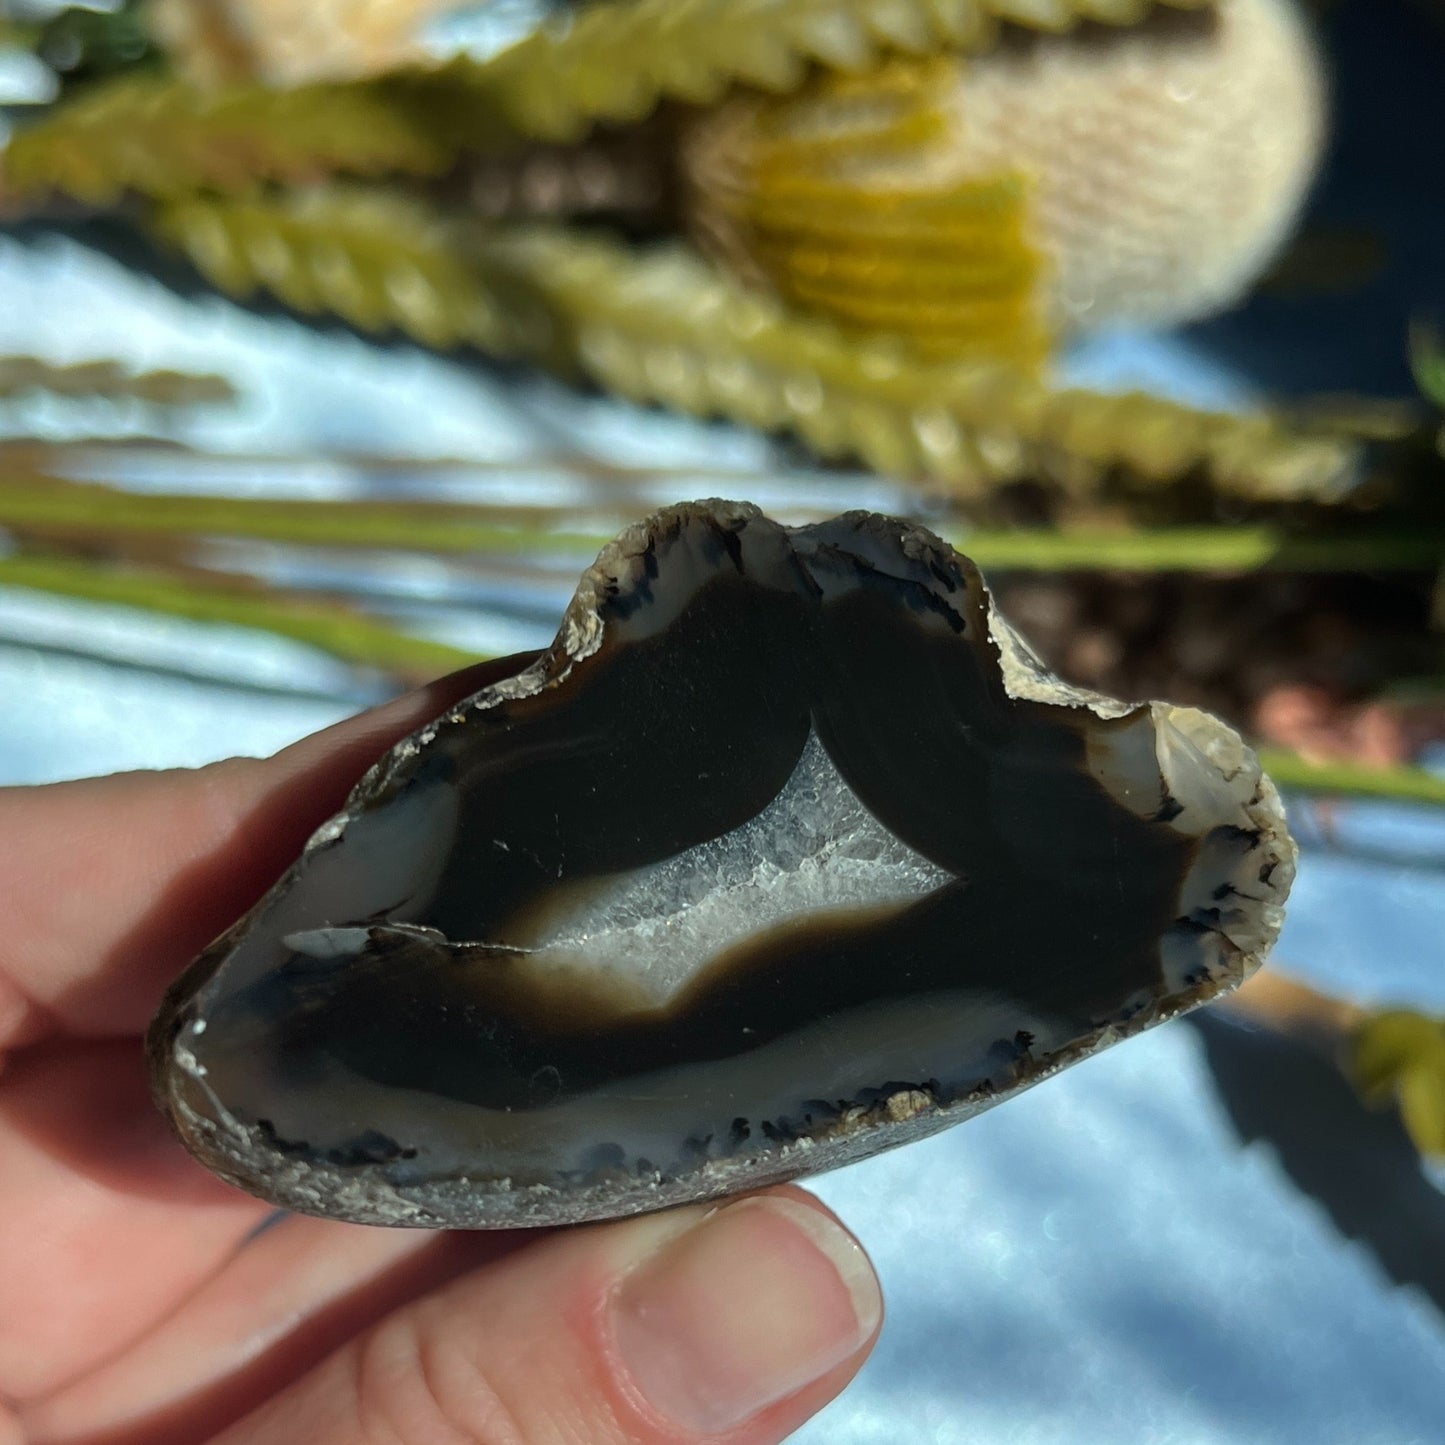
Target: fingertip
[
  {"x": 705, "y": 1324},
  {"x": 745, "y": 1312}
]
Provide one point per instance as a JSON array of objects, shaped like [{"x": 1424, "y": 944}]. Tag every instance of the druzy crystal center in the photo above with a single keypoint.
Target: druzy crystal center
[{"x": 643, "y": 936}]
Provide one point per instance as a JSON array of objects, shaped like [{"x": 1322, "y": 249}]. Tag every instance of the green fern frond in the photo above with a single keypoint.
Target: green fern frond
[
  {"x": 110, "y": 381},
  {"x": 664, "y": 327},
  {"x": 615, "y": 62}
]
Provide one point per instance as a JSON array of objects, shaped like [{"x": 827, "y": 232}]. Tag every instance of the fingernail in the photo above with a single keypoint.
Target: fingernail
[{"x": 758, "y": 1300}]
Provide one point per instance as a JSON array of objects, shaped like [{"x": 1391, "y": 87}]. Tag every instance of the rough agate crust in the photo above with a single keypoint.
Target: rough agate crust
[{"x": 787, "y": 851}]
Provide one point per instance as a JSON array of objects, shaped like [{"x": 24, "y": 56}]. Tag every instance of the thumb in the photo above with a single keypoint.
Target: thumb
[{"x": 705, "y": 1323}]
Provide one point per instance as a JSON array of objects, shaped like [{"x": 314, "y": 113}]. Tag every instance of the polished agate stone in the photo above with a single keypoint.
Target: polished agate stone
[{"x": 786, "y": 851}]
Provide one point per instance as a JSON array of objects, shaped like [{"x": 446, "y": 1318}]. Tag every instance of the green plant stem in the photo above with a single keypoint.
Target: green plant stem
[
  {"x": 331, "y": 627},
  {"x": 1205, "y": 549},
  {"x": 445, "y": 528},
  {"x": 338, "y": 630},
  {"x": 411, "y": 526},
  {"x": 1398, "y": 784}
]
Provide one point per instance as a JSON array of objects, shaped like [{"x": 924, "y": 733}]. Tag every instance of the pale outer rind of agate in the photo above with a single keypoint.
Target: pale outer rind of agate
[{"x": 1212, "y": 776}]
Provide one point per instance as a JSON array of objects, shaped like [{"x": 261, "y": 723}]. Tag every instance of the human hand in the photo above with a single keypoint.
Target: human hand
[{"x": 142, "y": 1302}]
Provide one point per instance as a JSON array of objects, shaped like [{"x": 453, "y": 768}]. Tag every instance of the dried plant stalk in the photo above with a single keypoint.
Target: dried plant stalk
[
  {"x": 662, "y": 326},
  {"x": 162, "y": 136},
  {"x": 616, "y": 62},
  {"x": 284, "y": 43},
  {"x": 156, "y": 135},
  {"x": 1290, "y": 1006},
  {"x": 377, "y": 260},
  {"x": 111, "y": 381},
  {"x": 665, "y": 328}
]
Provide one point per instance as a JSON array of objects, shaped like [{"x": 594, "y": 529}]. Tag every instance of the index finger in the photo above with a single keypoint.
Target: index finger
[{"x": 113, "y": 884}]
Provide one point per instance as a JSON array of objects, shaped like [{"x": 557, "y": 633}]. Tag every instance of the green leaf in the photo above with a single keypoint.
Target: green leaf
[
  {"x": 1427, "y": 362},
  {"x": 1398, "y": 1056}
]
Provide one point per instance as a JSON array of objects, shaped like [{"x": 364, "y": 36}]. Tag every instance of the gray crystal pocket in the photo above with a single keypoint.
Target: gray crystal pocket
[{"x": 785, "y": 852}]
